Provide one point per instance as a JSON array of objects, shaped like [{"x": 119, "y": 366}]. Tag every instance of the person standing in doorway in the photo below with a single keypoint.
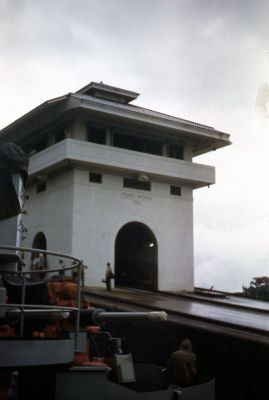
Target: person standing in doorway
[
  {"x": 41, "y": 264},
  {"x": 41, "y": 261},
  {"x": 108, "y": 277}
]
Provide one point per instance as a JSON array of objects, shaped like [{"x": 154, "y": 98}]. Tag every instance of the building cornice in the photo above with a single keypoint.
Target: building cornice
[
  {"x": 205, "y": 138},
  {"x": 147, "y": 113}
]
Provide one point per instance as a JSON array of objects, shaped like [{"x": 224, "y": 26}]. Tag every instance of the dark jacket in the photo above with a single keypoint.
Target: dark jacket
[{"x": 181, "y": 366}]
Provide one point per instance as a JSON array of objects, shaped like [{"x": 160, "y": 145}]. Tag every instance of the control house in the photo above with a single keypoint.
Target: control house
[{"x": 110, "y": 181}]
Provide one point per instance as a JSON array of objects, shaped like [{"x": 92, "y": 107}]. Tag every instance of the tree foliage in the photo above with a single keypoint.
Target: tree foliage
[{"x": 259, "y": 288}]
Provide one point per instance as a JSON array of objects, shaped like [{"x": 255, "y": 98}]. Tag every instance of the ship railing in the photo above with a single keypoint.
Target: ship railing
[{"x": 24, "y": 310}]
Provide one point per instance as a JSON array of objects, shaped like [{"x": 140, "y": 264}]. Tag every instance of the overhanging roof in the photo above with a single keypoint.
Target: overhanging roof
[
  {"x": 102, "y": 90},
  {"x": 204, "y": 138},
  {"x": 210, "y": 137}
]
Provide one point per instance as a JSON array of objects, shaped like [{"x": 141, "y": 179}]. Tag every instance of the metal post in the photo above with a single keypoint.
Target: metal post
[
  {"x": 22, "y": 303},
  {"x": 78, "y": 306}
]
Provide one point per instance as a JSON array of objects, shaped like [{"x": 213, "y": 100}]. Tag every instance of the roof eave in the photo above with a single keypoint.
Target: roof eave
[
  {"x": 40, "y": 108},
  {"x": 216, "y": 145},
  {"x": 219, "y": 139}
]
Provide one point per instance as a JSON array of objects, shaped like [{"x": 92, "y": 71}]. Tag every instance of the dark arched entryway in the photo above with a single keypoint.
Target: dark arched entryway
[
  {"x": 136, "y": 257},
  {"x": 39, "y": 242}
]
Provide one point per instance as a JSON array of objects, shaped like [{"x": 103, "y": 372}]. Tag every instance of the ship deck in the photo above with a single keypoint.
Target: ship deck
[{"x": 224, "y": 314}]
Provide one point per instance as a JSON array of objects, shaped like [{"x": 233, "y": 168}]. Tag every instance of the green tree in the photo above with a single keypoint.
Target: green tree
[{"x": 259, "y": 288}]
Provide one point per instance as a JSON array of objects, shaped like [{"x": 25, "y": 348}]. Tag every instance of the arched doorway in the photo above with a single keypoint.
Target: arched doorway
[
  {"x": 39, "y": 242},
  {"x": 136, "y": 257}
]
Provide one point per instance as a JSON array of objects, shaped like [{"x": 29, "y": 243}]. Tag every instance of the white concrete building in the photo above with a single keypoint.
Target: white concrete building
[{"x": 112, "y": 182}]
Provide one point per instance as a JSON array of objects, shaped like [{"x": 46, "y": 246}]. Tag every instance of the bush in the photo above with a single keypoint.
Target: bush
[{"x": 259, "y": 288}]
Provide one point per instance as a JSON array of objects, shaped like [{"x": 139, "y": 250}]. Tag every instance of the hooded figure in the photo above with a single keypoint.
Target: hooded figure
[{"x": 181, "y": 366}]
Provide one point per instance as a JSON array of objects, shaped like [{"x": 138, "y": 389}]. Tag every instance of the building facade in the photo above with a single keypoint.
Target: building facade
[{"x": 112, "y": 182}]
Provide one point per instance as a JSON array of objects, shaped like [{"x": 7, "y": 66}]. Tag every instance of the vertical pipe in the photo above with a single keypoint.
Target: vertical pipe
[
  {"x": 23, "y": 303},
  {"x": 78, "y": 305}
]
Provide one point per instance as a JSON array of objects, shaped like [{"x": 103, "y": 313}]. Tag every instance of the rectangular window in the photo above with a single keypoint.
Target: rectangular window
[
  {"x": 95, "y": 177},
  {"x": 97, "y": 135},
  {"x": 125, "y": 141},
  {"x": 176, "y": 151},
  {"x": 59, "y": 136},
  {"x": 41, "y": 144},
  {"x": 135, "y": 184},
  {"x": 175, "y": 190},
  {"x": 41, "y": 187}
]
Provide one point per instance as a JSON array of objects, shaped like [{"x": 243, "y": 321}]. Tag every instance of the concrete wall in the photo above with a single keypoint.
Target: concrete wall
[
  {"x": 113, "y": 158},
  {"x": 82, "y": 218},
  {"x": 100, "y": 211},
  {"x": 51, "y": 212}
]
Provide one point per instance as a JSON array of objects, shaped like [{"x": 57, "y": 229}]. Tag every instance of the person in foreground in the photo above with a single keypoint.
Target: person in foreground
[{"x": 181, "y": 366}]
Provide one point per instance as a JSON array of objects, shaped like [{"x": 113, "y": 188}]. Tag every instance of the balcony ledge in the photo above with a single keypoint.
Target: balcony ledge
[{"x": 121, "y": 160}]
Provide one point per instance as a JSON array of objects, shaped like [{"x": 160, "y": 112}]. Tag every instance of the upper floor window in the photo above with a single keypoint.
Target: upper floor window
[
  {"x": 41, "y": 144},
  {"x": 175, "y": 190},
  {"x": 135, "y": 143},
  {"x": 97, "y": 135},
  {"x": 136, "y": 184},
  {"x": 176, "y": 151},
  {"x": 59, "y": 136},
  {"x": 95, "y": 177}
]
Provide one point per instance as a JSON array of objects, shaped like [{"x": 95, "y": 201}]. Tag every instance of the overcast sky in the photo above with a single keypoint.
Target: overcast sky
[{"x": 202, "y": 60}]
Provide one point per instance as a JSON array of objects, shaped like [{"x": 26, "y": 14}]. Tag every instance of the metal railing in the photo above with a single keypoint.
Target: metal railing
[{"x": 26, "y": 309}]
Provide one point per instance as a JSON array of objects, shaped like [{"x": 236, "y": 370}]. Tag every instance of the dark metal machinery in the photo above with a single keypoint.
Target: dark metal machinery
[{"x": 29, "y": 354}]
